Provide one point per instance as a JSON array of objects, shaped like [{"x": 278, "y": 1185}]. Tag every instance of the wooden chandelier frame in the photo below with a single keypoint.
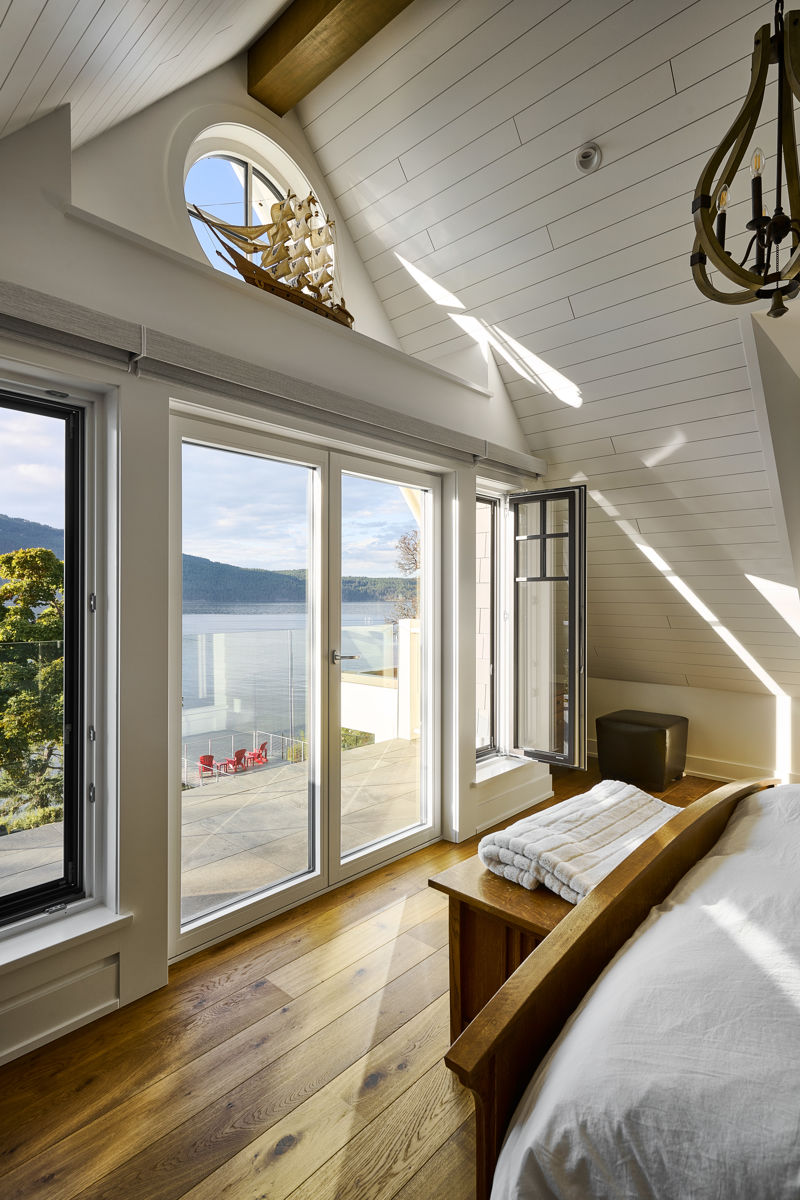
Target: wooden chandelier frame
[{"x": 707, "y": 247}]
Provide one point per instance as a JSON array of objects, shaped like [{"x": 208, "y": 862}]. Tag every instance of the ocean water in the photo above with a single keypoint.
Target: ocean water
[{"x": 245, "y": 670}]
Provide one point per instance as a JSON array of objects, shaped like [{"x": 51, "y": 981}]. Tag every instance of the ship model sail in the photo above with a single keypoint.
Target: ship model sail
[{"x": 291, "y": 256}]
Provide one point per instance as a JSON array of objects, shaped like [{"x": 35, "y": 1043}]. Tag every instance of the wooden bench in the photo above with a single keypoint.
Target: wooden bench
[{"x": 494, "y": 926}]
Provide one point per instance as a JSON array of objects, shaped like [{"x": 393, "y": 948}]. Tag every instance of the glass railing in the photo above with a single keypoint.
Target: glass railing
[{"x": 244, "y": 688}]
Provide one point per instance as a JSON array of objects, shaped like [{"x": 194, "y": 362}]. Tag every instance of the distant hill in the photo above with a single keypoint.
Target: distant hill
[
  {"x": 17, "y": 534},
  {"x": 208, "y": 584}
]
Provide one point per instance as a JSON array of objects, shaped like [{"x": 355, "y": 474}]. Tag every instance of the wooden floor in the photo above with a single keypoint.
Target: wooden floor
[{"x": 302, "y": 1059}]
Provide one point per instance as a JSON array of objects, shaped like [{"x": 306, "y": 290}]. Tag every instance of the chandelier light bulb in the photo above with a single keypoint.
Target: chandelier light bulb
[
  {"x": 757, "y": 162},
  {"x": 723, "y": 199}
]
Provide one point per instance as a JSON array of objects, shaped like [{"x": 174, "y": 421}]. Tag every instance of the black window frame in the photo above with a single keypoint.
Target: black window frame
[
  {"x": 69, "y": 886},
  {"x": 491, "y": 747},
  {"x": 574, "y": 753}
]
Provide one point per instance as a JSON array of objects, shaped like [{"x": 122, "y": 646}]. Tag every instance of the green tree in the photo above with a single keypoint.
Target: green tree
[{"x": 31, "y": 688}]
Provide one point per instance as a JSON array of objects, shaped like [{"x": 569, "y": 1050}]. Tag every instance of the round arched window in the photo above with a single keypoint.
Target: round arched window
[{"x": 233, "y": 189}]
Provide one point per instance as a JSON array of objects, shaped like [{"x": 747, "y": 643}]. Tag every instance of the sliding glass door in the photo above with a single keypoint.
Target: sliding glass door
[{"x": 307, "y": 648}]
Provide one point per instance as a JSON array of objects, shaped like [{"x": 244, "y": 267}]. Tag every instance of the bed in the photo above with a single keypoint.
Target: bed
[{"x": 655, "y": 1053}]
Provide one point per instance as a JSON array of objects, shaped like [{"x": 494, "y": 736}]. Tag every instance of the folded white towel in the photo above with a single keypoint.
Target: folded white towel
[{"x": 571, "y": 846}]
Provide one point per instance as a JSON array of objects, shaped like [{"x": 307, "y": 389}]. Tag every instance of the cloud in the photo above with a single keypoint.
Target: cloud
[
  {"x": 255, "y": 512},
  {"x": 32, "y": 467}
]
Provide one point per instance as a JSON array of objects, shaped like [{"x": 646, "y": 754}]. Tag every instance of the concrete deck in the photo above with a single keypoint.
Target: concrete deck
[{"x": 242, "y": 833}]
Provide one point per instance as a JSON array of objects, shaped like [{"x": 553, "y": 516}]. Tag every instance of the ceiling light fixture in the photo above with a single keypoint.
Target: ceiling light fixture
[
  {"x": 759, "y": 274},
  {"x": 588, "y": 158}
]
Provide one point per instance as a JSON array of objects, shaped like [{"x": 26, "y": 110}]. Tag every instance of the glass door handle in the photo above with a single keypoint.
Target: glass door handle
[{"x": 337, "y": 657}]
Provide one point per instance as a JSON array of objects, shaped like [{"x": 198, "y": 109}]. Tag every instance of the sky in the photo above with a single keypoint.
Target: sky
[
  {"x": 254, "y": 512},
  {"x": 237, "y": 508},
  {"x": 32, "y": 467}
]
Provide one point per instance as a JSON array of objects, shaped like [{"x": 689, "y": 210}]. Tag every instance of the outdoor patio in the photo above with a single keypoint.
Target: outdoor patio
[{"x": 246, "y": 831}]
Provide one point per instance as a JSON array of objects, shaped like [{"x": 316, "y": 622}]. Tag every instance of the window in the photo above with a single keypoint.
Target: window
[
  {"x": 42, "y": 603},
  {"x": 549, "y": 622},
  {"x": 530, "y": 549},
  {"x": 233, "y": 189},
  {"x": 485, "y": 628}
]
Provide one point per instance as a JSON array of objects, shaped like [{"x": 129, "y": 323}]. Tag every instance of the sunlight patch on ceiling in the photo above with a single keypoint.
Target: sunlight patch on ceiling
[{"x": 527, "y": 364}]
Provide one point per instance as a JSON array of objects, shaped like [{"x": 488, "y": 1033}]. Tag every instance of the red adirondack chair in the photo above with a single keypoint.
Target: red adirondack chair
[
  {"x": 237, "y": 763},
  {"x": 207, "y": 766},
  {"x": 257, "y": 756}
]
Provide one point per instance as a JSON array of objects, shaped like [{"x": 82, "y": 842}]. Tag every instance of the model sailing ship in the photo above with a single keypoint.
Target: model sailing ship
[{"x": 292, "y": 255}]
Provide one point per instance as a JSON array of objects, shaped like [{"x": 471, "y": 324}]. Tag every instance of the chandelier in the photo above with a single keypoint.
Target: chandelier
[{"x": 768, "y": 270}]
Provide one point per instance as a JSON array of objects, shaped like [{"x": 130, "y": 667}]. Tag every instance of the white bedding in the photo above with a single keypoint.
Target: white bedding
[
  {"x": 571, "y": 846},
  {"x": 679, "y": 1076}
]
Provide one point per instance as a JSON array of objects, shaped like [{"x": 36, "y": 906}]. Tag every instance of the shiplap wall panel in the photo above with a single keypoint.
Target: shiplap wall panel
[
  {"x": 730, "y": 43},
  {"x": 457, "y": 47},
  {"x": 358, "y": 151},
  {"x": 515, "y": 163},
  {"x": 714, "y": 388},
  {"x": 690, "y": 417}
]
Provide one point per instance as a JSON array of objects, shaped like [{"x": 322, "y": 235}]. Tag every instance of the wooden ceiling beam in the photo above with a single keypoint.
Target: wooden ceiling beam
[{"x": 306, "y": 44}]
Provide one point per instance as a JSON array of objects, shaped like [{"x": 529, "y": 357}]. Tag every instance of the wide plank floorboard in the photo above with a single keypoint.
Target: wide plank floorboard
[{"x": 300, "y": 1059}]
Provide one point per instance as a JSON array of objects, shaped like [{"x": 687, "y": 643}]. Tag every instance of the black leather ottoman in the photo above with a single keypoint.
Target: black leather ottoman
[{"x": 648, "y": 749}]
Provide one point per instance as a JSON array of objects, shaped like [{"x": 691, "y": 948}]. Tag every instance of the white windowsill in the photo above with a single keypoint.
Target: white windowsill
[
  {"x": 59, "y": 933},
  {"x": 498, "y": 764}
]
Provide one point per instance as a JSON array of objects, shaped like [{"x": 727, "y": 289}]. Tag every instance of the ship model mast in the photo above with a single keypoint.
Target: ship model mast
[{"x": 291, "y": 256}]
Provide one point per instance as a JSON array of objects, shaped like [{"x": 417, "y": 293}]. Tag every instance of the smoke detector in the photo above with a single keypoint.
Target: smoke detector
[{"x": 588, "y": 158}]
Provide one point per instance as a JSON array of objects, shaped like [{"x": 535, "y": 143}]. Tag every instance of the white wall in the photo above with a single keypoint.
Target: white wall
[
  {"x": 732, "y": 735},
  {"x": 133, "y": 175}
]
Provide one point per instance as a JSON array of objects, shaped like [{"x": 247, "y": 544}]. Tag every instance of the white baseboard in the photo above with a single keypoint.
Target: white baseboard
[
  {"x": 532, "y": 792},
  {"x": 716, "y": 768},
  {"x": 57, "y": 1007}
]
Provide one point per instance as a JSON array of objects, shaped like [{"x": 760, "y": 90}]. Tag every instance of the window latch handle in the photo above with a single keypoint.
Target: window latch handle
[{"x": 337, "y": 657}]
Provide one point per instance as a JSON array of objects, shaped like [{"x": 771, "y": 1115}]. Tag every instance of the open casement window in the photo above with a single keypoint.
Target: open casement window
[{"x": 549, "y": 596}]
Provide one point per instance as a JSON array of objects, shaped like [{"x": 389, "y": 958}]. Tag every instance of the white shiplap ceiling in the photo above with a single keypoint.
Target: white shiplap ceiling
[
  {"x": 110, "y": 58},
  {"x": 450, "y": 139}
]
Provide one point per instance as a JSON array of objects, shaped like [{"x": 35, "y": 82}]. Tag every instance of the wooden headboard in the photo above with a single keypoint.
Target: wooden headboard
[{"x": 497, "y": 1054}]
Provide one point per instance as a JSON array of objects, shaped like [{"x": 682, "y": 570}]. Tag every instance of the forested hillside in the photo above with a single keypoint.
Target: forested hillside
[{"x": 208, "y": 584}]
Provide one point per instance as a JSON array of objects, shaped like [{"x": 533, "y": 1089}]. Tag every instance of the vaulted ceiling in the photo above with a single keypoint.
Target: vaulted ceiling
[
  {"x": 450, "y": 139},
  {"x": 109, "y": 59}
]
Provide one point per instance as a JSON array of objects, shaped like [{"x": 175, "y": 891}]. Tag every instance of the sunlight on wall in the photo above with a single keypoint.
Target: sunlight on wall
[
  {"x": 783, "y": 702},
  {"x": 675, "y": 443},
  {"x": 783, "y": 598},
  {"x": 435, "y": 290},
  {"x": 527, "y": 364}
]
